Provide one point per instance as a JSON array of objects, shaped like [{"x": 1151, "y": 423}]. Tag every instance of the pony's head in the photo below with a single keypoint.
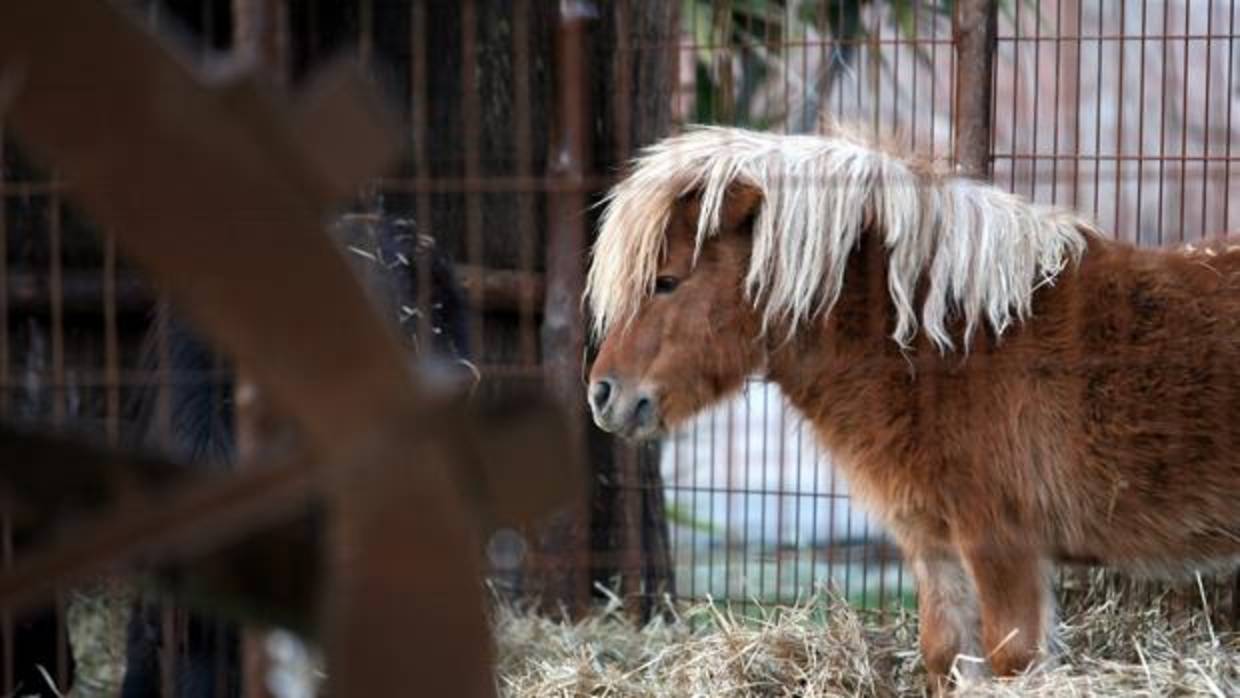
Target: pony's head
[
  {"x": 721, "y": 243},
  {"x": 691, "y": 340}
]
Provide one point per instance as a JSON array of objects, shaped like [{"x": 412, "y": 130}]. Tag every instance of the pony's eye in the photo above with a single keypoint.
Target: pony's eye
[{"x": 666, "y": 284}]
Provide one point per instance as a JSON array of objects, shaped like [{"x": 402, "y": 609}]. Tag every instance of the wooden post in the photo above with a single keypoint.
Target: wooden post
[
  {"x": 563, "y": 550},
  {"x": 641, "y": 115},
  {"x": 974, "y": 29},
  {"x": 260, "y": 30}
]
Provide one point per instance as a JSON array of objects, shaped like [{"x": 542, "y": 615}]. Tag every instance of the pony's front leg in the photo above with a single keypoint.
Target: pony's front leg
[
  {"x": 948, "y": 617},
  {"x": 1017, "y": 603}
]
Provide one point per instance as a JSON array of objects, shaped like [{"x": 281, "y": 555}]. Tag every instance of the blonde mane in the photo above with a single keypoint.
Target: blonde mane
[{"x": 982, "y": 251}]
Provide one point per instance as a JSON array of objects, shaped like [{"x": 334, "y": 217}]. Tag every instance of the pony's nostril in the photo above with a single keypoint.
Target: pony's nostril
[
  {"x": 643, "y": 411},
  {"x": 600, "y": 393}
]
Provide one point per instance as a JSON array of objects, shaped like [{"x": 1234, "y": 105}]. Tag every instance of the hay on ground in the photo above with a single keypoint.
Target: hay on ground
[{"x": 824, "y": 647}]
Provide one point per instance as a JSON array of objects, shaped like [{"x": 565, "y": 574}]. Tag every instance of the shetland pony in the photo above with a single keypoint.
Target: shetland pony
[{"x": 1002, "y": 385}]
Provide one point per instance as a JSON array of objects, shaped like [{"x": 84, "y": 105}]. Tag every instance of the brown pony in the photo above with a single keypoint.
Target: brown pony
[{"x": 1002, "y": 385}]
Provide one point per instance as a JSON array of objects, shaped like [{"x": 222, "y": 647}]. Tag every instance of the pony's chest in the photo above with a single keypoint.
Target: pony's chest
[
  {"x": 895, "y": 477},
  {"x": 904, "y": 437}
]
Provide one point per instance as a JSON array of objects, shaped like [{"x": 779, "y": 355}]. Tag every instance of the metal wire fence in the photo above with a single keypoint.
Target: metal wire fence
[{"x": 1123, "y": 110}]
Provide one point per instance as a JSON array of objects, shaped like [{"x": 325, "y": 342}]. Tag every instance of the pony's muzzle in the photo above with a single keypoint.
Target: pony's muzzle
[{"x": 632, "y": 413}]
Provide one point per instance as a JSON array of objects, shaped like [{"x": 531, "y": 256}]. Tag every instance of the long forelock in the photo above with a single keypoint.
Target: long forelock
[{"x": 981, "y": 251}]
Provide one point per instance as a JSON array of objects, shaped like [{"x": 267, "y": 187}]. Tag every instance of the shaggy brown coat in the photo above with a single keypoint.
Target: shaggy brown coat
[{"x": 1102, "y": 429}]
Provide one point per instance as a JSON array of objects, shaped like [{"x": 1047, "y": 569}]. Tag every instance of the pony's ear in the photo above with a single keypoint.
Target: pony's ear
[{"x": 740, "y": 205}]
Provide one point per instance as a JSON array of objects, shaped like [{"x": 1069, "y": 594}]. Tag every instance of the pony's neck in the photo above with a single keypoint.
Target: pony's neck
[{"x": 854, "y": 336}]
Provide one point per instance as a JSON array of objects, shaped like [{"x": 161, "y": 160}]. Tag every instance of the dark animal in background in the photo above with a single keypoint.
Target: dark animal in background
[{"x": 389, "y": 255}]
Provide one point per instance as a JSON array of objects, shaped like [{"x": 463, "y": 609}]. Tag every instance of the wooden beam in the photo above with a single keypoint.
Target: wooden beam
[
  {"x": 502, "y": 290},
  {"x": 505, "y": 290},
  {"x": 235, "y": 237}
]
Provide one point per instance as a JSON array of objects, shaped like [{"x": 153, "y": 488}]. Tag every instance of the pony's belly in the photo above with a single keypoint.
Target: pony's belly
[{"x": 1157, "y": 554}]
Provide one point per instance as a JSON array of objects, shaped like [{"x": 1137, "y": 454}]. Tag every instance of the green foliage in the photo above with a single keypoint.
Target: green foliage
[
  {"x": 755, "y": 33},
  {"x": 678, "y": 516}
]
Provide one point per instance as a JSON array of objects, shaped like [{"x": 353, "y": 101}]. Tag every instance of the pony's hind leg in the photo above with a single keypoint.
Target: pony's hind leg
[
  {"x": 949, "y": 618},
  {"x": 1017, "y": 604}
]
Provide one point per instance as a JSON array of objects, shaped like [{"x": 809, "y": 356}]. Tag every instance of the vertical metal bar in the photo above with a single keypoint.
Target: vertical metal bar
[
  {"x": 859, "y": 83},
  {"x": 56, "y": 287},
  {"x": 6, "y": 537},
  {"x": 952, "y": 87},
  {"x": 895, "y": 77},
  {"x": 1162, "y": 125},
  {"x": 365, "y": 26},
  {"x": 4, "y": 293},
  {"x": 525, "y": 160},
  {"x": 729, "y": 518},
  {"x": 420, "y": 107},
  {"x": 163, "y": 428},
  {"x": 798, "y": 500},
  {"x": 975, "y": 27},
  {"x": 1055, "y": 110},
  {"x": 914, "y": 46},
  {"x": 6, "y": 558},
  {"x": 1015, "y": 110},
  {"x": 683, "y": 53},
  {"x": 1180, "y": 232},
  {"x": 563, "y": 335},
  {"x": 1035, "y": 159},
  {"x": 471, "y": 145},
  {"x": 111, "y": 351},
  {"x": 622, "y": 77},
  {"x": 1205, "y": 154},
  {"x": 693, "y": 534},
  {"x": 167, "y": 653},
  {"x": 781, "y": 501},
  {"x": 1231, "y": 67},
  {"x": 1119, "y": 124},
  {"x": 1076, "y": 136},
  {"x": 1098, "y": 118},
  {"x": 207, "y": 16},
  {"x": 810, "y": 120},
  {"x": 1141, "y": 127},
  {"x": 56, "y": 298},
  {"x": 762, "y": 488},
  {"x": 875, "y": 48},
  {"x": 934, "y": 88},
  {"x": 717, "y": 488},
  {"x": 773, "y": 115},
  {"x": 628, "y": 496},
  {"x": 838, "y": 47}
]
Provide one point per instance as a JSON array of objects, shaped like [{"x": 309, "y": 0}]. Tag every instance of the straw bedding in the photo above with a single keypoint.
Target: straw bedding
[
  {"x": 1117, "y": 641},
  {"x": 823, "y": 647}
]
